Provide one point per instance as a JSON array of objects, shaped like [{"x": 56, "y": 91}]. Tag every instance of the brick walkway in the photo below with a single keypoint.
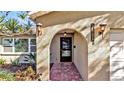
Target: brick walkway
[{"x": 64, "y": 71}]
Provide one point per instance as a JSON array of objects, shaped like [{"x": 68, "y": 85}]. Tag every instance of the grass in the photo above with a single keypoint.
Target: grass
[{"x": 6, "y": 76}]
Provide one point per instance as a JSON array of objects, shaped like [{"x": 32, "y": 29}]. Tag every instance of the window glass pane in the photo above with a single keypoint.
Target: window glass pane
[
  {"x": 33, "y": 42},
  {"x": 33, "y": 48},
  {"x": 7, "y": 49},
  {"x": 66, "y": 53},
  {"x": 21, "y": 45},
  {"x": 8, "y": 42}
]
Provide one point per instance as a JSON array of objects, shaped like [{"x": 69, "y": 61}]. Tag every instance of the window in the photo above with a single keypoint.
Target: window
[
  {"x": 8, "y": 45},
  {"x": 19, "y": 45},
  {"x": 33, "y": 45}
]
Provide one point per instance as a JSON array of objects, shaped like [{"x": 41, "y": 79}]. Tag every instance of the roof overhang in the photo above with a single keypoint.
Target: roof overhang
[
  {"x": 48, "y": 18},
  {"x": 33, "y": 15},
  {"x": 26, "y": 33}
]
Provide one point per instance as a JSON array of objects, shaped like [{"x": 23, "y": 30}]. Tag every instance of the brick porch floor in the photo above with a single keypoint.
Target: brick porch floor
[{"x": 64, "y": 71}]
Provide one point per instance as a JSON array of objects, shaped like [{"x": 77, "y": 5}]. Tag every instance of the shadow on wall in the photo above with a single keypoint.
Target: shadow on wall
[
  {"x": 117, "y": 61},
  {"x": 117, "y": 19},
  {"x": 99, "y": 70}
]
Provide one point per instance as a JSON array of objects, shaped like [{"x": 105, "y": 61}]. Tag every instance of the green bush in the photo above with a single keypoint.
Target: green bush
[
  {"x": 6, "y": 76},
  {"x": 2, "y": 61},
  {"x": 15, "y": 62},
  {"x": 31, "y": 58}
]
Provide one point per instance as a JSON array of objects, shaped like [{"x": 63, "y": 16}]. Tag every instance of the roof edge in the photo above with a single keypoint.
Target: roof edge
[{"x": 33, "y": 15}]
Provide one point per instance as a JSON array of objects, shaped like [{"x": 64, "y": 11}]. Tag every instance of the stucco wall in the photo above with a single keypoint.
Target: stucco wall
[
  {"x": 61, "y": 17},
  {"x": 9, "y": 57},
  {"x": 98, "y": 54},
  {"x": 54, "y": 50},
  {"x": 81, "y": 55},
  {"x": 116, "y": 19}
]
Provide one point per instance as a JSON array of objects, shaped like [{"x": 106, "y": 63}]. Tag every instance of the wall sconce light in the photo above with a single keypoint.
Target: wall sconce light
[
  {"x": 65, "y": 34},
  {"x": 100, "y": 31},
  {"x": 39, "y": 29},
  {"x": 92, "y": 29}
]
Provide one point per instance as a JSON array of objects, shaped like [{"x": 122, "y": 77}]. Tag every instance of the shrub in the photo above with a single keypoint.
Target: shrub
[
  {"x": 26, "y": 75},
  {"x": 2, "y": 61},
  {"x": 6, "y": 76},
  {"x": 15, "y": 62},
  {"x": 31, "y": 58}
]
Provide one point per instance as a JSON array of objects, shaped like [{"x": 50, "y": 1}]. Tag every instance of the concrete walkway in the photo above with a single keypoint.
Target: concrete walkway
[{"x": 64, "y": 71}]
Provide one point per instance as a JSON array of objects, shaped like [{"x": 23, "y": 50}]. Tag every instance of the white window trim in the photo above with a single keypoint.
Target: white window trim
[
  {"x": 13, "y": 47},
  {"x": 2, "y": 50},
  {"x": 31, "y": 45}
]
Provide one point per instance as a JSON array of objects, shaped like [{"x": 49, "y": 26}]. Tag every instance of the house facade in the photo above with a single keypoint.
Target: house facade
[
  {"x": 71, "y": 45},
  {"x": 73, "y": 29},
  {"x": 17, "y": 47},
  {"x": 96, "y": 52}
]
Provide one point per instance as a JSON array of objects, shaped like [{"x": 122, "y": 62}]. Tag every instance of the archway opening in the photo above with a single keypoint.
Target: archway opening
[{"x": 68, "y": 56}]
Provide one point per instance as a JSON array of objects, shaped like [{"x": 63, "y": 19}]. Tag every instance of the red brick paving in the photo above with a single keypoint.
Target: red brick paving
[{"x": 64, "y": 71}]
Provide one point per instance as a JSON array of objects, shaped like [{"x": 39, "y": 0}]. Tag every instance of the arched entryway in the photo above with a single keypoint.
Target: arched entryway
[{"x": 68, "y": 56}]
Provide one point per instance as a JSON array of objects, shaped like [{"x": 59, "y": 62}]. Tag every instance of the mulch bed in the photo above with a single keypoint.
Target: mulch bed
[
  {"x": 22, "y": 72},
  {"x": 14, "y": 68}
]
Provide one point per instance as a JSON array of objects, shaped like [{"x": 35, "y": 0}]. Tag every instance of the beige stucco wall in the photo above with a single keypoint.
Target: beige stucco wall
[
  {"x": 116, "y": 20},
  {"x": 54, "y": 50},
  {"x": 60, "y": 17},
  {"x": 81, "y": 55},
  {"x": 98, "y": 54}
]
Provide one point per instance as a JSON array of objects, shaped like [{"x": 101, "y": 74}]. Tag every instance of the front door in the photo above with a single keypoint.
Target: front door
[{"x": 65, "y": 49}]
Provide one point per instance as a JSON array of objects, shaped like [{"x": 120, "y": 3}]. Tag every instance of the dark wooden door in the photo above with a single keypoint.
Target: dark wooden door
[{"x": 65, "y": 49}]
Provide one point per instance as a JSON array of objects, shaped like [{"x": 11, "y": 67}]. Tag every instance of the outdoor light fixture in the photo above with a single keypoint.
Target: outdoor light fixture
[
  {"x": 92, "y": 29},
  {"x": 65, "y": 34},
  {"x": 39, "y": 29},
  {"x": 100, "y": 31}
]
